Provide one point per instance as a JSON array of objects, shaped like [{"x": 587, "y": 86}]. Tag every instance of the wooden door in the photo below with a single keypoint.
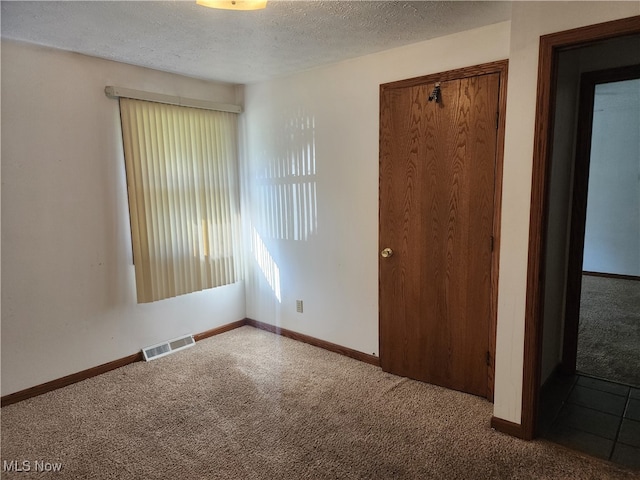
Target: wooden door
[{"x": 438, "y": 192}]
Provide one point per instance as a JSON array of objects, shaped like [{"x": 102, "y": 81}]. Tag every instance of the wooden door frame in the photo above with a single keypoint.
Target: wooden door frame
[
  {"x": 550, "y": 47},
  {"x": 500, "y": 67},
  {"x": 582, "y": 163}
]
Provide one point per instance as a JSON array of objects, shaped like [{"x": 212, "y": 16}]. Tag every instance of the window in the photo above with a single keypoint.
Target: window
[{"x": 181, "y": 165}]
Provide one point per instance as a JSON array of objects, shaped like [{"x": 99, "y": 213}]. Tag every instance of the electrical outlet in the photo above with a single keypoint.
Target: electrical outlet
[{"x": 299, "y": 306}]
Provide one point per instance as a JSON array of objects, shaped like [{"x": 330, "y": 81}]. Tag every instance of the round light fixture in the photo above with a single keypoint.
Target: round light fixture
[{"x": 234, "y": 4}]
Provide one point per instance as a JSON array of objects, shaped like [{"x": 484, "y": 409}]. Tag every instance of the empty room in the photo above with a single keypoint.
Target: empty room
[{"x": 318, "y": 239}]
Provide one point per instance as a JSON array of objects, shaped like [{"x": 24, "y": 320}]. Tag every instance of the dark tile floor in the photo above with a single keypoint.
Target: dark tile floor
[{"x": 595, "y": 416}]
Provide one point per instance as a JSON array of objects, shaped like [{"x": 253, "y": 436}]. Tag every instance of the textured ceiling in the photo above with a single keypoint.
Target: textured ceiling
[{"x": 239, "y": 47}]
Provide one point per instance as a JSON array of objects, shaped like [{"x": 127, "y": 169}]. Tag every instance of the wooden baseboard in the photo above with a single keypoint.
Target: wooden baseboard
[
  {"x": 69, "y": 379},
  {"x": 510, "y": 428},
  {"x": 612, "y": 275},
  {"x": 217, "y": 331},
  {"x": 100, "y": 369},
  {"x": 137, "y": 357},
  {"x": 332, "y": 347}
]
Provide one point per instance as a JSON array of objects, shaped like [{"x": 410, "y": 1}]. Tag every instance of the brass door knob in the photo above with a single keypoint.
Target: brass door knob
[{"x": 386, "y": 253}]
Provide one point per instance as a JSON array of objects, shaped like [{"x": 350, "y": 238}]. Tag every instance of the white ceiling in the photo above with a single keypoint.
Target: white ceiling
[{"x": 239, "y": 47}]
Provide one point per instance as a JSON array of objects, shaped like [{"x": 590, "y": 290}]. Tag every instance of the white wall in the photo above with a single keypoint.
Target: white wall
[
  {"x": 68, "y": 296},
  {"x": 612, "y": 233}
]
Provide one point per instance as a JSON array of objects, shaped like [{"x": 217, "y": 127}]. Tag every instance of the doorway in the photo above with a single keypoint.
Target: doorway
[
  {"x": 551, "y": 46},
  {"x": 441, "y": 140},
  {"x": 602, "y": 320},
  {"x": 587, "y": 403}
]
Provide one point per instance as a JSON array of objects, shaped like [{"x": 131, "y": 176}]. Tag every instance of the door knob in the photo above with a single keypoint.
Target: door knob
[{"x": 386, "y": 253}]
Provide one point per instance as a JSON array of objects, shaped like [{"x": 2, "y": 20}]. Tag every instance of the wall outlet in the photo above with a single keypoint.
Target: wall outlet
[{"x": 299, "y": 306}]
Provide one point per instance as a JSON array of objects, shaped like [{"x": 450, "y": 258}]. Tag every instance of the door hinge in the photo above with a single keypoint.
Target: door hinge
[
  {"x": 488, "y": 359},
  {"x": 497, "y": 120},
  {"x": 493, "y": 242}
]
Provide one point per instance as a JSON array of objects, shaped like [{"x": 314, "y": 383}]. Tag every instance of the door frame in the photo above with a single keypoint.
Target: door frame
[
  {"x": 500, "y": 67},
  {"x": 582, "y": 162},
  {"x": 550, "y": 47}
]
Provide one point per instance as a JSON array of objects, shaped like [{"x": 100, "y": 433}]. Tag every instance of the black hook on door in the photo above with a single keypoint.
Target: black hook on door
[{"x": 435, "y": 95}]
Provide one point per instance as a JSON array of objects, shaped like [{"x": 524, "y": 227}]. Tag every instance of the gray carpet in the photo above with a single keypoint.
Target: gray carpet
[
  {"x": 248, "y": 404},
  {"x": 609, "y": 331}
]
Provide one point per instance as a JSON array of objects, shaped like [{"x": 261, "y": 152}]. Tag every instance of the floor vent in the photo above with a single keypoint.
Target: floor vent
[{"x": 165, "y": 348}]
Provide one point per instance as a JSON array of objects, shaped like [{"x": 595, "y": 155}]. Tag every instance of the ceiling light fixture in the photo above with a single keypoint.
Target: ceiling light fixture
[{"x": 234, "y": 4}]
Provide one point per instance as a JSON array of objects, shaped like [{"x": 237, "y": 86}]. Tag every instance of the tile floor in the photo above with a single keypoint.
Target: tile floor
[{"x": 595, "y": 416}]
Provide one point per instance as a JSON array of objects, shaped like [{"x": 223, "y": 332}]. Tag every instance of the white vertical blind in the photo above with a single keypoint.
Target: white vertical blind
[{"x": 181, "y": 165}]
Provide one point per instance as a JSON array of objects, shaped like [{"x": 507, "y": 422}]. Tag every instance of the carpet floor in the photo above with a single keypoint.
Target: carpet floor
[
  {"x": 609, "y": 330},
  {"x": 249, "y": 404}
]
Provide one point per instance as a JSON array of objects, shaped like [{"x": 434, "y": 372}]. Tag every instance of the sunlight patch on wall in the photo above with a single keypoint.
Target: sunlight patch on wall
[
  {"x": 266, "y": 263},
  {"x": 287, "y": 192}
]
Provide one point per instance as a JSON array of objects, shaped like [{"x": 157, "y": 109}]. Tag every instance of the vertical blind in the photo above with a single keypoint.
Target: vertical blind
[{"x": 182, "y": 181}]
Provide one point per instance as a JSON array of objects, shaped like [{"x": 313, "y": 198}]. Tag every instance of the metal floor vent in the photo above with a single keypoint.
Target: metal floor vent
[{"x": 165, "y": 348}]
